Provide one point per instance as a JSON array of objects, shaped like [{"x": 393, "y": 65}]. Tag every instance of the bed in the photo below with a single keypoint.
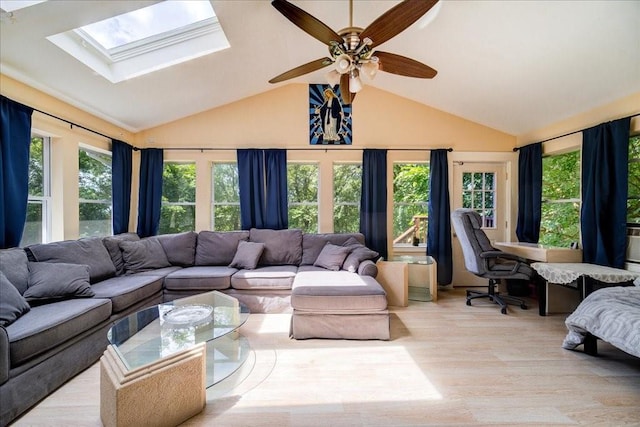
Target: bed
[{"x": 610, "y": 314}]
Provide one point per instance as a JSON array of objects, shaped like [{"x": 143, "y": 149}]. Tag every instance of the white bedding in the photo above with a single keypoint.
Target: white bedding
[{"x": 611, "y": 314}]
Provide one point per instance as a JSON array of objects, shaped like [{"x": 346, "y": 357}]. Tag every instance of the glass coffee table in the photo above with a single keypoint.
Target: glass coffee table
[{"x": 147, "y": 336}]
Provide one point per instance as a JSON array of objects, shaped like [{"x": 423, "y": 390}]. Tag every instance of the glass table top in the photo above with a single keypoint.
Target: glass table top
[
  {"x": 414, "y": 259},
  {"x": 156, "y": 332}
]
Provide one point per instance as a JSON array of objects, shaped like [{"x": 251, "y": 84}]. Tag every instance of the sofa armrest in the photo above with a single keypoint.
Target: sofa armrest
[
  {"x": 4, "y": 355},
  {"x": 368, "y": 268}
]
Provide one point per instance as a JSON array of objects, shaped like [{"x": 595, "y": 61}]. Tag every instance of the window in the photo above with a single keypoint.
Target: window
[
  {"x": 347, "y": 187},
  {"x": 633, "y": 202},
  {"x": 479, "y": 194},
  {"x": 94, "y": 188},
  {"x": 560, "y": 224},
  {"x": 410, "y": 206},
  {"x": 226, "y": 197},
  {"x": 178, "y": 211},
  {"x": 37, "y": 226},
  {"x": 302, "y": 182}
]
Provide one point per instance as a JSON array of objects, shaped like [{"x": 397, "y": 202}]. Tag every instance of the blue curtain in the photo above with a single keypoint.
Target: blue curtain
[
  {"x": 373, "y": 200},
  {"x": 15, "y": 139},
  {"x": 263, "y": 188},
  {"x": 529, "y": 193},
  {"x": 121, "y": 185},
  {"x": 277, "y": 209},
  {"x": 605, "y": 174},
  {"x": 251, "y": 186},
  {"x": 439, "y": 224},
  {"x": 150, "y": 195}
]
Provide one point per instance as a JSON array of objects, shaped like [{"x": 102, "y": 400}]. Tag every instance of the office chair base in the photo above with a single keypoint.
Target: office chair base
[{"x": 502, "y": 301}]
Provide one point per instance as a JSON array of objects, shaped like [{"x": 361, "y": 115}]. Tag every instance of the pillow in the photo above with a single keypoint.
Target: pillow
[
  {"x": 332, "y": 256},
  {"x": 14, "y": 264},
  {"x": 218, "y": 247},
  {"x": 112, "y": 243},
  {"x": 12, "y": 304},
  {"x": 359, "y": 253},
  {"x": 180, "y": 248},
  {"x": 247, "y": 255},
  {"x": 281, "y": 247},
  {"x": 55, "y": 280},
  {"x": 143, "y": 255}
]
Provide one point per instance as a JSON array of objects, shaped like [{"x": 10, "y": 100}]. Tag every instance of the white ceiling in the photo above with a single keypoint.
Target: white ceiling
[{"x": 515, "y": 66}]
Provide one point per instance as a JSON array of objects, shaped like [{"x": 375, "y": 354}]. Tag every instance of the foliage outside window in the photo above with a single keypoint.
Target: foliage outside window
[
  {"x": 347, "y": 187},
  {"x": 633, "y": 201},
  {"x": 560, "y": 224},
  {"x": 36, "y": 228},
  {"x": 226, "y": 197},
  {"x": 178, "y": 211},
  {"x": 410, "y": 203},
  {"x": 94, "y": 188},
  {"x": 479, "y": 194},
  {"x": 302, "y": 183}
]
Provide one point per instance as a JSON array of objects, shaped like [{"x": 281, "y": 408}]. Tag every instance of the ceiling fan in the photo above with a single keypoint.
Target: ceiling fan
[{"x": 352, "y": 48}]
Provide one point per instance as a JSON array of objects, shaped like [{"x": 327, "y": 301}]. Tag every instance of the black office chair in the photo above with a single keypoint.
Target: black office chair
[{"x": 483, "y": 260}]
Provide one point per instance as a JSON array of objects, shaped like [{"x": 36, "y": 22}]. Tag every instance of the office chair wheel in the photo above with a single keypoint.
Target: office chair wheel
[
  {"x": 468, "y": 302},
  {"x": 503, "y": 310}
]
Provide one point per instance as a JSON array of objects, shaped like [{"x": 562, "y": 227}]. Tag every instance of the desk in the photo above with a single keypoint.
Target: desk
[
  {"x": 592, "y": 276},
  {"x": 537, "y": 252}
]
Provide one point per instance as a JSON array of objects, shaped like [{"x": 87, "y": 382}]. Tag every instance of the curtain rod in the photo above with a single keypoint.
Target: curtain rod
[
  {"x": 320, "y": 148},
  {"x": 575, "y": 131},
  {"x": 72, "y": 124}
]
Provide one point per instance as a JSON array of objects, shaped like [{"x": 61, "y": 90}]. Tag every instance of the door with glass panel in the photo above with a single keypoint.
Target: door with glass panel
[{"x": 482, "y": 187}]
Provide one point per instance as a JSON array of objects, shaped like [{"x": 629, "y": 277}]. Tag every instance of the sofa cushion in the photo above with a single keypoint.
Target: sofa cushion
[
  {"x": 12, "y": 304},
  {"x": 14, "y": 265},
  {"x": 281, "y": 247},
  {"x": 125, "y": 291},
  {"x": 49, "y": 325},
  {"x": 112, "y": 243},
  {"x": 180, "y": 248},
  {"x": 247, "y": 255},
  {"x": 312, "y": 244},
  {"x": 358, "y": 254},
  {"x": 49, "y": 281},
  {"x": 200, "y": 278},
  {"x": 88, "y": 251},
  {"x": 272, "y": 277},
  {"x": 337, "y": 292},
  {"x": 331, "y": 257},
  {"x": 218, "y": 248},
  {"x": 143, "y": 255}
]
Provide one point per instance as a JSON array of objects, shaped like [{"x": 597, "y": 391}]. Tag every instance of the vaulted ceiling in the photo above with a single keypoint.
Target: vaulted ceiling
[{"x": 514, "y": 66}]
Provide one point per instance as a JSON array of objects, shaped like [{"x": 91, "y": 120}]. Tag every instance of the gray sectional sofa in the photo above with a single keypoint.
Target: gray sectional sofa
[{"x": 58, "y": 300}]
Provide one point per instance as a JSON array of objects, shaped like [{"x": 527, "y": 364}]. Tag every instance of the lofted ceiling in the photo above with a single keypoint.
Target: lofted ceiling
[{"x": 515, "y": 66}]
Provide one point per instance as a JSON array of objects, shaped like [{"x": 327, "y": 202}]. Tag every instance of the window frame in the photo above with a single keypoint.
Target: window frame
[
  {"x": 167, "y": 203},
  {"x": 215, "y": 203},
  {"x": 108, "y": 202},
  {"x": 337, "y": 204},
  {"x": 636, "y": 139},
  {"x": 315, "y": 204},
  {"x": 45, "y": 199},
  {"x": 394, "y": 204}
]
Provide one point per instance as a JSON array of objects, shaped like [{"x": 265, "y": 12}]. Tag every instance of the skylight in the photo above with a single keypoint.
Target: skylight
[
  {"x": 10, "y": 6},
  {"x": 146, "y": 40}
]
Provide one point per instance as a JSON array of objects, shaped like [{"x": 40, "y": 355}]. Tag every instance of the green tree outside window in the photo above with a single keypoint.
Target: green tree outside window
[{"x": 178, "y": 212}]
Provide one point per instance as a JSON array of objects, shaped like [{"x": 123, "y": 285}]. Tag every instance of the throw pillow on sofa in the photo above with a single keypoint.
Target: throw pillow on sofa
[
  {"x": 247, "y": 255},
  {"x": 12, "y": 304},
  {"x": 180, "y": 248},
  {"x": 143, "y": 255},
  {"x": 332, "y": 256},
  {"x": 112, "y": 243},
  {"x": 358, "y": 253},
  {"x": 218, "y": 247},
  {"x": 14, "y": 265},
  {"x": 50, "y": 281}
]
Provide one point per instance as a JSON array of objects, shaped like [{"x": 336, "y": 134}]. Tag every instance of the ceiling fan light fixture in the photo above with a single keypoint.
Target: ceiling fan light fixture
[
  {"x": 333, "y": 77},
  {"x": 355, "y": 84},
  {"x": 343, "y": 63},
  {"x": 370, "y": 68}
]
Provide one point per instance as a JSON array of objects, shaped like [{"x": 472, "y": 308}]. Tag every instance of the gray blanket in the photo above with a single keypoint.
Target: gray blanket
[{"x": 611, "y": 314}]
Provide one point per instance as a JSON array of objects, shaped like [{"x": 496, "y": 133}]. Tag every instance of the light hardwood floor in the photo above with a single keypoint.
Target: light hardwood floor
[{"x": 447, "y": 364}]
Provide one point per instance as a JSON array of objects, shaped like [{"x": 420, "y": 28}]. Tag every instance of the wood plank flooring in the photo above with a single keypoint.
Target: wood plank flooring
[{"x": 446, "y": 365}]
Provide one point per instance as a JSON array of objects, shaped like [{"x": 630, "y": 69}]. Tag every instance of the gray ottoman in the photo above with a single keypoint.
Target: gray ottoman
[{"x": 338, "y": 305}]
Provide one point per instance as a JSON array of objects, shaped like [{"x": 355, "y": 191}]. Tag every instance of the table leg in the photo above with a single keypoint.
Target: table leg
[{"x": 541, "y": 286}]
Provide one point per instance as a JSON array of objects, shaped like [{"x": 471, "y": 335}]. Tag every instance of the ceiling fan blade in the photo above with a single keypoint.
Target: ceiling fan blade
[
  {"x": 307, "y": 22},
  {"x": 396, "y": 20},
  {"x": 401, "y": 65},
  {"x": 302, "y": 69},
  {"x": 347, "y": 96}
]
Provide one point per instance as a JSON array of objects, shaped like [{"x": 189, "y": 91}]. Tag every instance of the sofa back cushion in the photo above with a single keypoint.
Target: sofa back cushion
[
  {"x": 312, "y": 244},
  {"x": 218, "y": 247},
  {"x": 14, "y": 264},
  {"x": 180, "y": 248},
  {"x": 12, "y": 304},
  {"x": 143, "y": 255},
  {"x": 281, "y": 247},
  {"x": 112, "y": 243},
  {"x": 88, "y": 251}
]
